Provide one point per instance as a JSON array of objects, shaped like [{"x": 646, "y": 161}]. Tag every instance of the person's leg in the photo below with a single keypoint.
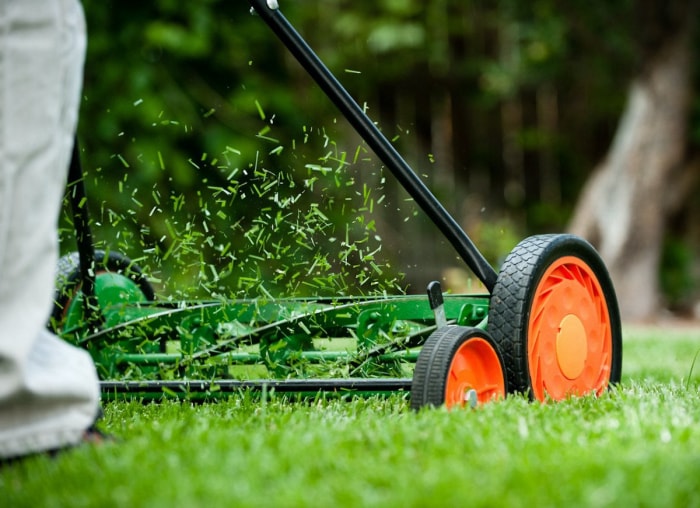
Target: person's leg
[{"x": 48, "y": 389}]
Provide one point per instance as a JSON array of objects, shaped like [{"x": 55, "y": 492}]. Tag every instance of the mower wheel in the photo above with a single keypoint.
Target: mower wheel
[
  {"x": 457, "y": 366},
  {"x": 68, "y": 281},
  {"x": 554, "y": 316}
]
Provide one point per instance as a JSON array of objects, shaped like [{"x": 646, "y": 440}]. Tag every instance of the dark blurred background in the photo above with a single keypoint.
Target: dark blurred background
[{"x": 216, "y": 163}]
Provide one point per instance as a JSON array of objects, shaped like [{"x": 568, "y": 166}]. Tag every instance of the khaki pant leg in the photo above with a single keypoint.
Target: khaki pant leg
[{"x": 48, "y": 389}]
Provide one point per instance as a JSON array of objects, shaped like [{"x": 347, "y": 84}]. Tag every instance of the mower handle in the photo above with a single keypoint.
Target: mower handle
[{"x": 269, "y": 11}]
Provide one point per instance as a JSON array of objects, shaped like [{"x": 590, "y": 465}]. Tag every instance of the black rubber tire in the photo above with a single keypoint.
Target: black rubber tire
[
  {"x": 68, "y": 279},
  {"x": 512, "y": 298},
  {"x": 429, "y": 384}
]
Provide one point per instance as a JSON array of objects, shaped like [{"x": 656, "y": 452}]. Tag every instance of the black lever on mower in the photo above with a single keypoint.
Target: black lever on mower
[
  {"x": 437, "y": 303},
  {"x": 270, "y": 13}
]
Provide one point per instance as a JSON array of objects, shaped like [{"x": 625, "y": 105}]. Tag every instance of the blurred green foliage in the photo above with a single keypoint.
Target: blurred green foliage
[{"x": 215, "y": 162}]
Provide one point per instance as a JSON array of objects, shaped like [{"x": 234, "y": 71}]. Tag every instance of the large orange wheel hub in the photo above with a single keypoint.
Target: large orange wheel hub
[{"x": 569, "y": 333}]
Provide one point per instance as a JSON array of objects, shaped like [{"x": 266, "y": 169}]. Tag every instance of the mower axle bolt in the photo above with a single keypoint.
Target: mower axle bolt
[{"x": 470, "y": 397}]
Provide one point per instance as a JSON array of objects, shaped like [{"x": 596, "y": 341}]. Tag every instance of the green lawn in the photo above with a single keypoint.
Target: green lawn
[{"x": 638, "y": 445}]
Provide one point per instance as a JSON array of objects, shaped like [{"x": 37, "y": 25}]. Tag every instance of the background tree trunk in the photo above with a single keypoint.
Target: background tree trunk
[{"x": 624, "y": 207}]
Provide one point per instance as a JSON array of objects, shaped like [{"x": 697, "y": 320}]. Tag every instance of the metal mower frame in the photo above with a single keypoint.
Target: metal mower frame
[{"x": 352, "y": 345}]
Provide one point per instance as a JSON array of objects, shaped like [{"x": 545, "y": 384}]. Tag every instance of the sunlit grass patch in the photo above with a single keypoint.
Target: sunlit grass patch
[{"x": 636, "y": 445}]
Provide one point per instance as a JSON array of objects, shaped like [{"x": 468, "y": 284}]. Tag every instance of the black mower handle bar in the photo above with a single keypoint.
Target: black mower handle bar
[{"x": 269, "y": 11}]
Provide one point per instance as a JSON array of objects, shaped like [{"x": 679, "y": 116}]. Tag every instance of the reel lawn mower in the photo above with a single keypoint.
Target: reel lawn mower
[{"x": 549, "y": 326}]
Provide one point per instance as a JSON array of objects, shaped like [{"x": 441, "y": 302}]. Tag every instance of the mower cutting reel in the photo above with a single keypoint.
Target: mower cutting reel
[
  {"x": 116, "y": 279},
  {"x": 550, "y": 326}
]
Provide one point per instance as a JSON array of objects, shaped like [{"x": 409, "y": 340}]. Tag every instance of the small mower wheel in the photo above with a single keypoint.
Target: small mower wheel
[
  {"x": 68, "y": 280},
  {"x": 457, "y": 365},
  {"x": 554, "y": 316}
]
